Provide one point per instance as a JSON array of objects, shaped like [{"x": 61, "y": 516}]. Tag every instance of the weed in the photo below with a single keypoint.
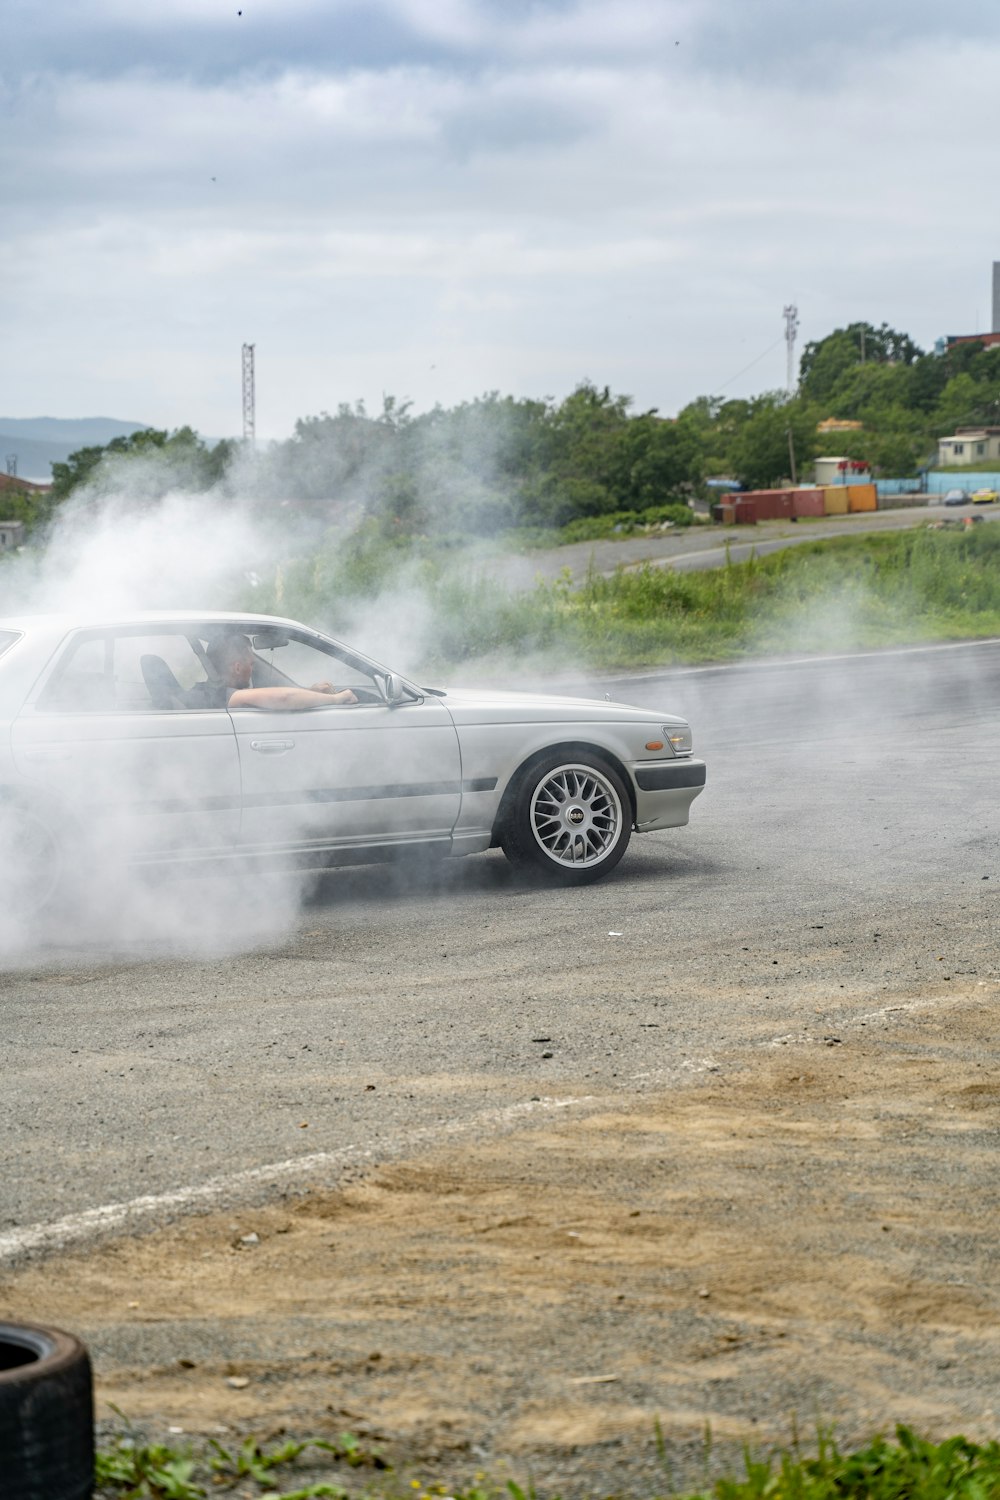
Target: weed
[
  {"x": 908, "y": 1468},
  {"x": 134, "y": 1470},
  {"x": 147, "y": 1471},
  {"x": 911, "y": 1468}
]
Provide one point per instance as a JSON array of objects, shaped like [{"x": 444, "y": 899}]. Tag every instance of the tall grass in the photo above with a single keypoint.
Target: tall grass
[
  {"x": 911, "y": 1468},
  {"x": 825, "y": 595}
]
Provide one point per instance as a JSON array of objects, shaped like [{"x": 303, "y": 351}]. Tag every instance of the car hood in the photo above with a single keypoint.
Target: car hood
[{"x": 487, "y": 706}]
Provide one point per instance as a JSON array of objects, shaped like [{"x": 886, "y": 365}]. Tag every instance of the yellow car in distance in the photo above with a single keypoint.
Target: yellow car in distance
[{"x": 983, "y": 497}]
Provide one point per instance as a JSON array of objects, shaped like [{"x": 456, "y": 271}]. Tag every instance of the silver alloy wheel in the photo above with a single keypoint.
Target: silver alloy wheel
[{"x": 576, "y": 816}]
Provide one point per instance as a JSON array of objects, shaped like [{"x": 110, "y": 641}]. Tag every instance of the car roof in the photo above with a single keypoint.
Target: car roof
[{"x": 91, "y": 620}]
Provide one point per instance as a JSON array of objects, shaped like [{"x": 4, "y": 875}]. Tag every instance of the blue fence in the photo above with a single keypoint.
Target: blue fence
[
  {"x": 899, "y": 487},
  {"x": 938, "y": 484}
]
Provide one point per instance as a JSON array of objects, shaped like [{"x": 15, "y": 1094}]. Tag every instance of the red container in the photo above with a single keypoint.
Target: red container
[
  {"x": 772, "y": 505},
  {"x": 808, "y": 503},
  {"x": 745, "y": 511}
]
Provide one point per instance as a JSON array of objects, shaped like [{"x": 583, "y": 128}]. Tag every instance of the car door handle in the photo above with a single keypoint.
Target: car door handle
[{"x": 272, "y": 747}]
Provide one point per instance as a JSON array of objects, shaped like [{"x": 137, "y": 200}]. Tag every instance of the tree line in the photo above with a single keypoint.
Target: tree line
[{"x": 500, "y": 462}]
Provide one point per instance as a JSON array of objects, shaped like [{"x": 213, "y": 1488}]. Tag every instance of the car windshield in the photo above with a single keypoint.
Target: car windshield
[
  {"x": 284, "y": 658},
  {"x": 7, "y": 639}
]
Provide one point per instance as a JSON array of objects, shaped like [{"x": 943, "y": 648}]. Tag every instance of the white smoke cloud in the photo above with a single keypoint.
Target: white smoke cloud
[{"x": 133, "y": 541}]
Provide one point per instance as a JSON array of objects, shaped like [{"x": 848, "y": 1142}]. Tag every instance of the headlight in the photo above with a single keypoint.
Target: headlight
[{"x": 678, "y": 737}]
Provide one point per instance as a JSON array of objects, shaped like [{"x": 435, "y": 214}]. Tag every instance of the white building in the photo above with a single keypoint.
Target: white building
[
  {"x": 969, "y": 446},
  {"x": 11, "y": 534},
  {"x": 842, "y": 471}
]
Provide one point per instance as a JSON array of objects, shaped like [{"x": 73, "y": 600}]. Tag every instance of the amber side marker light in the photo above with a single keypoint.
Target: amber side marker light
[{"x": 654, "y": 744}]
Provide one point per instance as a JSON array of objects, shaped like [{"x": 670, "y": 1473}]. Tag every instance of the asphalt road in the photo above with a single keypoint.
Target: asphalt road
[
  {"x": 844, "y": 854},
  {"x": 699, "y": 548}
]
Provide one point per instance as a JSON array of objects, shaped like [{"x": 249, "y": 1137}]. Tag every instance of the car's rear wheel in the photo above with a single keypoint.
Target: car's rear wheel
[
  {"x": 32, "y": 867},
  {"x": 570, "y": 819}
]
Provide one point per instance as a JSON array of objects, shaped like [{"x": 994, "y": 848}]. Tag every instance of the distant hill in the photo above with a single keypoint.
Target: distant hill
[{"x": 39, "y": 442}]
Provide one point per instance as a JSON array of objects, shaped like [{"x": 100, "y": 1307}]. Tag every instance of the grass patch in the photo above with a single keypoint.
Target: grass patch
[
  {"x": 613, "y": 526},
  {"x": 838, "y": 594},
  {"x": 819, "y": 596},
  {"x": 907, "y": 1467},
  {"x": 981, "y": 466}
]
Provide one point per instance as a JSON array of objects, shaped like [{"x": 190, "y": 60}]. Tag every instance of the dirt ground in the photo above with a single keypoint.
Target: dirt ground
[{"x": 809, "y": 1233}]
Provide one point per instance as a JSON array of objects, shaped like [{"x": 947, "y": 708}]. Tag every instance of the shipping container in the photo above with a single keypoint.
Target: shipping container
[
  {"x": 771, "y": 505},
  {"x": 862, "y": 497},
  {"x": 745, "y": 511},
  {"x": 808, "y": 503},
  {"x": 835, "y": 501}
]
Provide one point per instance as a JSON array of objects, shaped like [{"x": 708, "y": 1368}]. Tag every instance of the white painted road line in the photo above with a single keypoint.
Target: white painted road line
[
  {"x": 91, "y": 1222},
  {"x": 778, "y": 663}
]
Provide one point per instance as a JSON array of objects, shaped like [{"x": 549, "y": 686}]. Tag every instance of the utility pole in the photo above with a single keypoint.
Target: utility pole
[
  {"x": 249, "y": 397},
  {"x": 791, "y": 456},
  {"x": 791, "y": 316}
]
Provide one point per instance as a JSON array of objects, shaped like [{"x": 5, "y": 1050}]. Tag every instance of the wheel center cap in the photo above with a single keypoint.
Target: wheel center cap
[{"x": 575, "y": 815}]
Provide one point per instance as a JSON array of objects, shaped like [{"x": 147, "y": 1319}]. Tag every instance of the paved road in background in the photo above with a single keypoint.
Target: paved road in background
[
  {"x": 844, "y": 853},
  {"x": 698, "y": 548}
]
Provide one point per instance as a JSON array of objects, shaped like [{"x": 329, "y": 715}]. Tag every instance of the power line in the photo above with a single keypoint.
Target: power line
[{"x": 750, "y": 366}]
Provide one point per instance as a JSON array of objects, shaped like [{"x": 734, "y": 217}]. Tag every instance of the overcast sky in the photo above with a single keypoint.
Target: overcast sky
[{"x": 436, "y": 198}]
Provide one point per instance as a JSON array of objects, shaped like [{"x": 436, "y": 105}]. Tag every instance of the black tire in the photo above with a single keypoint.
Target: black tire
[
  {"x": 33, "y": 871},
  {"x": 570, "y": 820},
  {"x": 46, "y": 1415}
]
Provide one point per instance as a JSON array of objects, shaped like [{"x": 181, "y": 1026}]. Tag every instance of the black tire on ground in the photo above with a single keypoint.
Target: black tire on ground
[
  {"x": 46, "y": 1415},
  {"x": 570, "y": 820},
  {"x": 33, "y": 875}
]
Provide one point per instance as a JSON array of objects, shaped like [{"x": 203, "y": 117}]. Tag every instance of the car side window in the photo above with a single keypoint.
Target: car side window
[
  {"x": 155, "y": 671},
  {"x": 123, "y": 672},
  {"x": 304, "y": 663},
  {"x": 83, "y": 681}
]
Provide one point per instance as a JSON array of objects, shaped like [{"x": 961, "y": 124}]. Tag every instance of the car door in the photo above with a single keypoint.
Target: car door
[
  {"x": 149, "y": 780},
  {"x": 365, "y": 773}
]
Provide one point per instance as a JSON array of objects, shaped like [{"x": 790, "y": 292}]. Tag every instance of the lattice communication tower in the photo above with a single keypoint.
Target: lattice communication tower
[
  {"x": 249, "y": 397},
  {"x": 791, "y": 316}
]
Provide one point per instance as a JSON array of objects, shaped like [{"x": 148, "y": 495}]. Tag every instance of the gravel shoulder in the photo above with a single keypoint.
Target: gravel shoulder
[{"x": 807, "y": 1229}]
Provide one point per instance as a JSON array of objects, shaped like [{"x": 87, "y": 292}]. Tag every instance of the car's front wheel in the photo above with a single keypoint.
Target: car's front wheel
[{"x": 570, "y": 819}]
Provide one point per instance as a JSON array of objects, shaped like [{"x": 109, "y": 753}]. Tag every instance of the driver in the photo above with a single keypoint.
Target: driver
[{"x": 231, "y": 658}]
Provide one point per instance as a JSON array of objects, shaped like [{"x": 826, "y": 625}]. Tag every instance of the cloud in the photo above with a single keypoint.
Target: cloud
[
  {"x": 830, "y": 42},
  {"x": 516, "y": 194}
]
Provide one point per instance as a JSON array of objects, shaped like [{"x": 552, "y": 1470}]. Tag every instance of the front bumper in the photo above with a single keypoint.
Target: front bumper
[{"x": 664, "y": 792}]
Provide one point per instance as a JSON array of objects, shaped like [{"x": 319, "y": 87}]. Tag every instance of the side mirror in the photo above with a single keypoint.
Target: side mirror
[{"x": 394, "y": 691}]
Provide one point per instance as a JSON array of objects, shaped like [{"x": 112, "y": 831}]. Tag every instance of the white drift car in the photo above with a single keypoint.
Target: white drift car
[{"x": 118, "y": 739}]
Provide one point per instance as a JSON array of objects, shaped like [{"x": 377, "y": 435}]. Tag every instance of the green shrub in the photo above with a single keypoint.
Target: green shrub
[{"x": 677, "y": 515}]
